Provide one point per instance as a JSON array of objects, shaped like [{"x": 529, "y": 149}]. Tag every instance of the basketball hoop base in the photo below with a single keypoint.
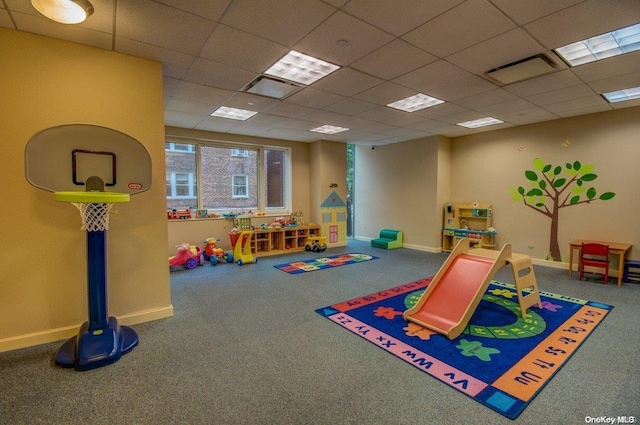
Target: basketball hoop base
[{"x": 95, "y": 348}]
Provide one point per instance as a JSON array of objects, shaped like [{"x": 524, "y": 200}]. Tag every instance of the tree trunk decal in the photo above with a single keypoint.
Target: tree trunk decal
[{"x": 552, "y": 189}]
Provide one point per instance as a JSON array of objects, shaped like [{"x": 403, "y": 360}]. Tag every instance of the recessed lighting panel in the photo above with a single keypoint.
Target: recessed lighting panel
[
  {"x": 329, "y": 129},
  {"x": 602, "y": 46},
  {"x": 622, "y": 95},
  {"x": 482, "y": 122},
  {"x": 298, "y": 67},
  {"x": 415, "y": 103},
  {"x": 233, "y": 113}
]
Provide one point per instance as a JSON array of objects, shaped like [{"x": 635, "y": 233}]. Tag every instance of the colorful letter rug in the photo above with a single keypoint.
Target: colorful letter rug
[
  {"x": 501, "y": 360},
  {"x": 324, "y": 263}
]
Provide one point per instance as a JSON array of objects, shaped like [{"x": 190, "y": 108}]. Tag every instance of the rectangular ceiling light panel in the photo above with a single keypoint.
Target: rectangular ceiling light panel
[
  {"x": 522, "y": 70},
  {"x": 329, "y": 129},
  {"x": 415, "y": 103},
  {"x": 622, "y": 95},
  {"x": 233, "y": 113},
  {"x": 301, "y": 68},
  {"x": 482, "y": 122},
  {"x": 602, "y": 46}
]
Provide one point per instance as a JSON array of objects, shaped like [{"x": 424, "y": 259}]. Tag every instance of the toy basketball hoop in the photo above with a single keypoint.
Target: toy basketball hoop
[
  {"x": 76, "y": 162},
  {"x": 94, "y": 207}
]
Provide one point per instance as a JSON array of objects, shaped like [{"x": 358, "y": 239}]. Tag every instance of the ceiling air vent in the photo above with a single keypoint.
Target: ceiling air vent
[
  {"x": 524, "y": 69},
  {"x": 272, "y": 87}
]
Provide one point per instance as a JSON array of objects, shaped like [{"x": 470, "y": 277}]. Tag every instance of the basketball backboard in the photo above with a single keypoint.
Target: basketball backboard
[{"x": 62, "y": 158}]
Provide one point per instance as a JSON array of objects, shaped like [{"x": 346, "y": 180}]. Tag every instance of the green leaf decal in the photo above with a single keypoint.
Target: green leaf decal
[
  {"x": 591, "y": 193},
  {"x": 542, "y": 184},
  {"x": 607, "y": 195},
  {"x": 534, "y": 192},
  {"x": 588, "y": 177},
  {"x": 574, "y": 200},
  {"x": 557, "y": 170},
  {"x": 546, "y": 168},
  {"x": 576, "y": 165},
  {"x": 531, "y": 175},
  {"x": 577, "y": 190},
  {"x": 559, "y": 182},
  {"x": 587, "y": 168}
]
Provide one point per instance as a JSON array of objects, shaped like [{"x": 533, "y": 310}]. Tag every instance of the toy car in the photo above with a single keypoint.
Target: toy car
[{"x": 315, "y": 243}]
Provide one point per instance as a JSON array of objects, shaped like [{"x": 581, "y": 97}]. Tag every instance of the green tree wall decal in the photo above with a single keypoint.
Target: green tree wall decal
[{"x": 552, "y": 189}]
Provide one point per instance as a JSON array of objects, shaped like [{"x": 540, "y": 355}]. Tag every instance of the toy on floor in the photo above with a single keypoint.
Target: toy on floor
[
  {"x": 315, "y": 243},
  {"x": 214, "y": 254},
  {"x": 242, "y": 247},
  {"x": 188, "y": 256},
  {"x": 453, "y": 295}
]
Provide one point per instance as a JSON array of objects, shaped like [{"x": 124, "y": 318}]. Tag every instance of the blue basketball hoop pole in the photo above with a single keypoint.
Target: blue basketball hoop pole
[{"x": 101, "y": 340}]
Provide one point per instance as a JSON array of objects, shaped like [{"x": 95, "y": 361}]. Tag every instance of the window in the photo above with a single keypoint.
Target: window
[
  {"x": 220, "y": 177},
  {"x": 239, "y": 152},
  {"x": 240, "y": 187}
]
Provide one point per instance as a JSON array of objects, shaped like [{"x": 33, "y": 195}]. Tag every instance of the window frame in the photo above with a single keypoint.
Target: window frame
[{"x": 261, "y": 171}]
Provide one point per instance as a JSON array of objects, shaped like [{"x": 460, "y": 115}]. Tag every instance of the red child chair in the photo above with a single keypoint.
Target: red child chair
[{"x": 594, "y": 255}]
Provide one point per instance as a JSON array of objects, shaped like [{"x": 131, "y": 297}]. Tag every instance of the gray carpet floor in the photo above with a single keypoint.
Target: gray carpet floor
[{"x": 245, "y": 346}]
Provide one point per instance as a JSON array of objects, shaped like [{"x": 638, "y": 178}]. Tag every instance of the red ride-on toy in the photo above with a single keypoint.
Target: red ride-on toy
[
  {"x": 214, "y": 254},
  {"x": 188, "y": 256}
]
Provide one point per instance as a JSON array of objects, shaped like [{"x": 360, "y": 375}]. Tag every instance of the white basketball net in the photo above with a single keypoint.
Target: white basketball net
[{"x": 95, "y": 217}]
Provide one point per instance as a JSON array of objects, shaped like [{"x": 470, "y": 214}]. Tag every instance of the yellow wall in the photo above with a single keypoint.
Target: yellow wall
[
  {"x": 399, "y": 185},
  {"x": 43, "y": 294},
  {"x": 486, "y": 165}
]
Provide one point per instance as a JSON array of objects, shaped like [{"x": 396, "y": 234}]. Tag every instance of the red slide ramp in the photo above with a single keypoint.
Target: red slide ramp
[{"x": 456, "y": 290}]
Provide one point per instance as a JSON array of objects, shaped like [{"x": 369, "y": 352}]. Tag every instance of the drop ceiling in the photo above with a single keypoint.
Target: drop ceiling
[{"x": 387, "y": 50}]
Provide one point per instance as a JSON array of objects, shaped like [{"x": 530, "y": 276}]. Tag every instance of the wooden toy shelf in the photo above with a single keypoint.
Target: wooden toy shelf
[
  {"x": 470, "y": 220},
  {"x": 281, "y": 241}
]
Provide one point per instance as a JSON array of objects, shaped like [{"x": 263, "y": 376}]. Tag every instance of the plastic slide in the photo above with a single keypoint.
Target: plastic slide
[{"x": 456, "y": 290}]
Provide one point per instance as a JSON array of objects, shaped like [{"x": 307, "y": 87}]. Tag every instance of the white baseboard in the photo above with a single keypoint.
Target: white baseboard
[{"x": 51, "y": 335}]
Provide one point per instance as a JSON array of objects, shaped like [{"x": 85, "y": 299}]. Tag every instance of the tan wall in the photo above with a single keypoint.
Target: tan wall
[
  {"x": 43, "y": 292},
  {"x": 396, "y": 187},
  {"x": 196, "y": 231},
  {"x": 486, "y": 165}
]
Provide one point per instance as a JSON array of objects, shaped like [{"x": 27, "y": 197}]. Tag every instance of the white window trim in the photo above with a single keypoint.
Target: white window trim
[
  {"x": 233, "y": 186},
  {"x": 288, "y": 189},
  {"x": 173, "y": 186}
]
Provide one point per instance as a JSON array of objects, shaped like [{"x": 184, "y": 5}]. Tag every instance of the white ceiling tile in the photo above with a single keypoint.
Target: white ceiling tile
[
  {"x": 569, "y": 93},
  {"x": 584, "y": 111},
  {"x": 610, "y": 67},
  {"x": 347, "y": 82},
  {"x": 155, "y": 23},
  {"x": 210, "y": 9},
  {"x": 362, "y": 39},
  {"x": 594, "y": 101},
  {"x": 487, "y": 98},
  {"x": 506, "y": 107},
  {"x": 463, "y": 26},
  {"x": 498, "y": 51},
  {"x": 290, "y": 110},
  {"x": 218, "y": 75},
  {"x": 618, "y": 82},
  {"x": 545, "y": 83},
  {"x": 174, "y": 64},
  {"x": 251, "y": 102},
  {"x": 584, "y": 20},
  {"x": 312, "y": 98},
  {"x": 385, "y": 93},
  {"x": 181, "y": 119},
  {"x": 440, "y": 111},
  {"x": 38, "y": 24},
  {"x": 522, "y": 12},
  {"x": 201, "y": 93},
  {"x": 468, "y": 86},
  {"x": 350, "y": 106},
  {"x": 325, "y": 117},
  {"x": 436, "y": 74},
  {"x": 243, "y": 50},
  {"x": 380, "y": 114},
  {"x": 393, "y": 60},
  {"x": 398, "y": 16},
  {"x": 282, "y": 21}
]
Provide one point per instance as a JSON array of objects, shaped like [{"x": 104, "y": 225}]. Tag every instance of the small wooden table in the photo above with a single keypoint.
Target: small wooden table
[{"x": 616, "y": 248}]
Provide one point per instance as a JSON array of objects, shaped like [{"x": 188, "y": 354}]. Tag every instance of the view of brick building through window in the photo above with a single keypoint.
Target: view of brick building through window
[{"x": 229, "y": 177}]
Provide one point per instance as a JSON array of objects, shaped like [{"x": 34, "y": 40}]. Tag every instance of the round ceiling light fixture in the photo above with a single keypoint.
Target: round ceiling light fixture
[{"x": 64, "y": 11}]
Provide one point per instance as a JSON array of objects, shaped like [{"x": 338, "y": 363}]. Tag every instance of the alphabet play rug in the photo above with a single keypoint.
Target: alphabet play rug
[
  {"x": 501, "y": 360},
  {"x": 324, "y": 263}
]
